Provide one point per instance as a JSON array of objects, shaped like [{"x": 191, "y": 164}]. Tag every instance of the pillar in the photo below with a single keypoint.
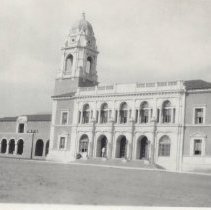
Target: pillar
[
  {"x": 7, "y": 150},
  {"x": 16, "y": 148}
]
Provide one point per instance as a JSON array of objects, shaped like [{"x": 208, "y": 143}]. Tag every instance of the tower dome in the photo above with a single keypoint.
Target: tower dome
[{"x": 82, "y": 26}]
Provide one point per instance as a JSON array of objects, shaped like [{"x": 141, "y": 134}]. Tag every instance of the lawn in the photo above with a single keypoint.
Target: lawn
[{"x": 41, "y": 182}]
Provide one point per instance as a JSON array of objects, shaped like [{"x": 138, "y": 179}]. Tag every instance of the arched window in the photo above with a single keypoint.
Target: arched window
[
  {"x": 69, "y": 63},
  {"x": 39, "y": 147},
  {"x": 11, "y": 146},
  {"x": 86, "y": 113},
  {"x": 20, "y": 147},
  {"x": 83, "y": 146},
  {"x": 144, "y": 112},
  {"x": 88, "y": 65},
  {"x": 123, "y": 113},
  {"x": 3, "y": 146},
  {"x": 104, "y": 113},
  {"x": 168, "y": 112},
  {"x": 164, "y": 146}
]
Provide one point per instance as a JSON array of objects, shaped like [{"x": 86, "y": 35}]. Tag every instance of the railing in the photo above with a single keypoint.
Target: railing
[{"x": 131, "y": 88}]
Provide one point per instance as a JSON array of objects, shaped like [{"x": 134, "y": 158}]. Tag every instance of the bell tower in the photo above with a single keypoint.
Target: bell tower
[{"x": 79, "y": 59}]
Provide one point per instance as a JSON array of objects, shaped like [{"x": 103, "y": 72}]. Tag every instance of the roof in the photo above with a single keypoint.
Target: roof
[
  {"x": 64, "y": 95},
  {"x": 39, "y": 117},
  {"x": 197, "y": 84},
  {"x": 8, "y": 119},
  {"x": 35, "y": 117}
]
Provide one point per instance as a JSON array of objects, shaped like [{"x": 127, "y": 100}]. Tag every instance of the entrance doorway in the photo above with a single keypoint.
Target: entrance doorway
[
  {"x": 39, "y": 147},
  {"x": 83, "y": 145},
  {"x": 121, "y": 147},
  {"x": 142, "y": 148},
  {"x": 102, "y": 143}
]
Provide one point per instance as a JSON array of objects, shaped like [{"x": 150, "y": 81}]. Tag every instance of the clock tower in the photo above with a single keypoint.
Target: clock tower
[{"x": 79, "y": 59}]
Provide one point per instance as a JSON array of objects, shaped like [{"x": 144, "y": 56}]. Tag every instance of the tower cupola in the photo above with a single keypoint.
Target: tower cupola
[{"x": 79, "y": 58}]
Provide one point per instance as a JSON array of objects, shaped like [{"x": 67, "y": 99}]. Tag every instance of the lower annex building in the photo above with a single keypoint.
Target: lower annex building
[{"x": 167, "y": 123}]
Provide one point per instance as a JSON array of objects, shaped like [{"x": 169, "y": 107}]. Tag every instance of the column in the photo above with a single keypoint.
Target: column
[
  {"x": 7, "y": 150},
  {"x": 138, "y": 116},
  {"x": 172, "y": 115},
  {"x": 16, "y": 149},
  {"x": 134, "y": 149},
  {"x": 118, "y": 117},
  {"x": 81, "y": 117},
  {"x": 160, "y": 117}
]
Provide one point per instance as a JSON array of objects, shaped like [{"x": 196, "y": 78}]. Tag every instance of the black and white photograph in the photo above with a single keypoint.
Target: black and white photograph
[{"x": 105, "y": 104}]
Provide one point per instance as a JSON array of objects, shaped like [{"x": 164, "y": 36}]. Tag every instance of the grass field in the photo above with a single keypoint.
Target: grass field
[{"x": 41, "y": 182}]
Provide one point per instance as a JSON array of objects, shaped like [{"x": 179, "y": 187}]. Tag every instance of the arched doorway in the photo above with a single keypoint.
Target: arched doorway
[
  {"x": 3, "y": 146},
  {"x": 142, "y": 148},
  {"x": 121, "y": 147},
  {"x": 102, "y": 143},
  {"x": 39, "y": 147},
  {"x": 11, "y": 146},
  {"x": 83, "y": 145},
  {"x": 20, "y": 147},
  {"x": 47, "y": 148}
]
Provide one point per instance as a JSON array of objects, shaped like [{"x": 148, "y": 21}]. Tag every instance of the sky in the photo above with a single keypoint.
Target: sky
[{"x": 138, "y": 41}]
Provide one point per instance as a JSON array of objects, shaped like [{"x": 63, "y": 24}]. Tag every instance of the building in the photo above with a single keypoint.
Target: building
[
  {"x": 166, "y": 123},
  {"x": 25, "y": 136}
]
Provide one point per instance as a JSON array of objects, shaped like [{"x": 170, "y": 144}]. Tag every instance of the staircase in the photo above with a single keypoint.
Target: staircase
[{"x": 119, "y": 162}]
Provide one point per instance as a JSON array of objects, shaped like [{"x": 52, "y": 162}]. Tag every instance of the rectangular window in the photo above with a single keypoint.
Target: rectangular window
[
  {"x": 199, "y": 115},
  {"x": 21, "y": 128},
  {"x": 62, "y": 143},
  {"x": 64, "y": 118},
  {"x": 167, "y": 115},
  {"x": 164, "y": 150},
  {"x": 158, "y": 115},
  {"x": 197, "y": 147}
]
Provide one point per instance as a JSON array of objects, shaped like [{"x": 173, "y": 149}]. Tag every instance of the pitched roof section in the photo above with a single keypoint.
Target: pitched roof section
[
  {"x": 8, "y": 119},
  {"x": 35, "y": 117},
  {"x": 64, "y": 95},
  {"x": 39, "y": 117},
  {"x": 197, "y": 84}
]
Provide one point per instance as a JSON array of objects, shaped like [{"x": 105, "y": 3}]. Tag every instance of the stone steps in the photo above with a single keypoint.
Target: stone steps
[{"x": 117, "y": 162}]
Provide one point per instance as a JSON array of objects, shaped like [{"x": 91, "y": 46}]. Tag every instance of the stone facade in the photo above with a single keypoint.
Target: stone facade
[{"x": 25, "y": 136}]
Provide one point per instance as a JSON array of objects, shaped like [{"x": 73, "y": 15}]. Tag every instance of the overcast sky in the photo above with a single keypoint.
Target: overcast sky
[{"x": 138, "y": 40}]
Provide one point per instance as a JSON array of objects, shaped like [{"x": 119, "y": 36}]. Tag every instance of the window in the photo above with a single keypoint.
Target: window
[
  {"x": 62, "y": 142},
  {"x": 88, "y": 65},
  {"x": 21, "y": 128},
  {"x": 158, "y": 115},
  {"x": 86, "y": 113},
  {"x": 164, "y": 146},
  {"x": 64, "y": 118},
  {"x": 104, "y": 113},
  {"x": 168, "y": 112},
  {"x": 69, "y": 63},
  {"x": 197, "y": 149},
  {"x": 144, "y": 112},
  {"x": 123, "y": 113},
  {"x": 199, "y": 116}
]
